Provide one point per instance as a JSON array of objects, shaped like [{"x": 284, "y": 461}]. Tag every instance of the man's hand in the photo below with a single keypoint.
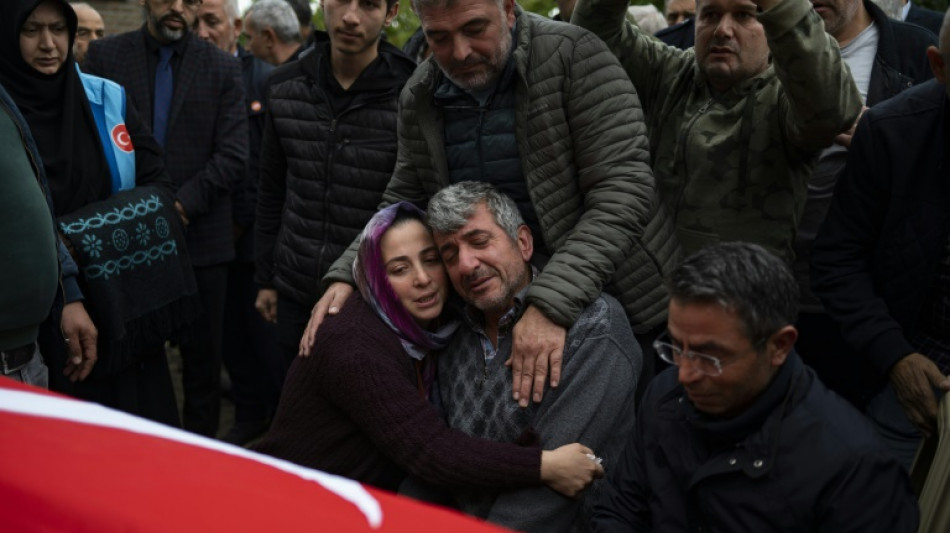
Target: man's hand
[
  {"x": 80, "y": 336},
  {"x": 914, "y": 377},
  {"x": 181, "y": 212},
  {"x": 266, "y": 304},
  {"x": 844, "y": 138},
  {"x": 538, "y": 345},
  {"x": 570, "y": 469},
  {"x": 329, "y": 304}
]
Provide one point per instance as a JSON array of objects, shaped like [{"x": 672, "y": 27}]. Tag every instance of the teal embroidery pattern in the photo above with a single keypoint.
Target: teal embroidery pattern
[
  {"x": 142, "y": 233},
  {"x": 120, "y": 240},
  {"x": 113, "y": 267},
  {"x": 128, "y": 232},
  {"x": 161, "y": 228},
  {"x": 116, "y": 216},
  {"x": 92, "y": 245}
]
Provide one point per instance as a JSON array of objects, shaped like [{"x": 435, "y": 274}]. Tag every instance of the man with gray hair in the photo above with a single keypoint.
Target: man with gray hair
[
  {"x": 543, "y": 111},
  {"x": 272, "y": 32},
  {"x": 487, "y": 248},
  {"x": 740, "y": 435}
]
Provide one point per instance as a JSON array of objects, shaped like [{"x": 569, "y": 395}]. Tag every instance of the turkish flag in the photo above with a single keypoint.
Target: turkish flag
[{"x": 67, "y": 465}]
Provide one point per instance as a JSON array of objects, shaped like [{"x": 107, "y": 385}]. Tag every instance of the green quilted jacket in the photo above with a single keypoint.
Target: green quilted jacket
[
  {"x": 584, "y": 154},
  {"x": 735, "y": 166}
]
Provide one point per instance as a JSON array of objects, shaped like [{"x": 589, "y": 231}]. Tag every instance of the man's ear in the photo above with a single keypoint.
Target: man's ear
[
  {"x": 510, "y": 13},
  {"x": 238, "y": 23},
  {"x": 270, "y": 38},
  {"x": 780, "y": 344},
  {"x": 391, "y": 14},
  {"x": 525, "y": 242},
  {"x": 937, "y": 64}
]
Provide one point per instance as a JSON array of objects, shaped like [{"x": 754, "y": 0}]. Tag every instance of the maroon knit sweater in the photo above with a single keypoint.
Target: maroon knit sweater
[{"x": 353, "y": 408}]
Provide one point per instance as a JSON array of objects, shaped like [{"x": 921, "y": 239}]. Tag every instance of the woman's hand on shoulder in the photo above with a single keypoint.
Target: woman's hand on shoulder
[{"x": 570, "y": 469}]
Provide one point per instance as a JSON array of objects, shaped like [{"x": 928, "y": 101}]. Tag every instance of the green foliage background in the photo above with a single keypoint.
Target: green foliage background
[{"x": 406, "y": 21}]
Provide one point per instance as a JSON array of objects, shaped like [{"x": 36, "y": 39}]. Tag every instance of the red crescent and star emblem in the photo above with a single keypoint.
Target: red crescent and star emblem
[{"x": 120, "y": 136}]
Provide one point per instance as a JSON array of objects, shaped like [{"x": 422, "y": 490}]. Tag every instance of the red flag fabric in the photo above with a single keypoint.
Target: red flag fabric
[{"x": 67, "y": 465}]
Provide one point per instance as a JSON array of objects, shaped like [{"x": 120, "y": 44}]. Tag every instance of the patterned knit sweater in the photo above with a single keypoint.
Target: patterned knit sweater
[
  {"x": 354, "y": 409},
  {"x": 593, "y": 405}
]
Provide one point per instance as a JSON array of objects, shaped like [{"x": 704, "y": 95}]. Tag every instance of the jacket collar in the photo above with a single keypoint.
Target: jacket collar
[{"x": 752, "y": 438}]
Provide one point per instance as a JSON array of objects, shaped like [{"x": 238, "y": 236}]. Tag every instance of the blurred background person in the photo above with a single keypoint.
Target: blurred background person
[
  {"x": 272, "y": 32},
  {"x": 91, "y": 27},
  {"x": 648, "y": 17}
]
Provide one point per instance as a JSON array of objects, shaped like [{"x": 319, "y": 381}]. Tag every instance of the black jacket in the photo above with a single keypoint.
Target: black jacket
[
  {"x": 254, "y": 73},
  {"x": 875, "y": 256},
  {"x": 899, "y": 63},
  {"x": 901, "y": 59},
  {"x": 799, "y": 459},
  {"x": 324, "y": 166},
  {"x": 925, "y": 18}
]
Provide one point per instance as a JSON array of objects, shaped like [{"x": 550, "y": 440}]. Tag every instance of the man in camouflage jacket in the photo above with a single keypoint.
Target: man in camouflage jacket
[{"x": 735, "y": 124}]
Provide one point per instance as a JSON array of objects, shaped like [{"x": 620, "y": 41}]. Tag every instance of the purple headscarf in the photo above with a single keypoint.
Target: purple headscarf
[{"x": 373, "y": 284}]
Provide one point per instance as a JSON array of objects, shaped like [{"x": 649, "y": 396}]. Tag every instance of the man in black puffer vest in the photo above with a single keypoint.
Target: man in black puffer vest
[{"x": 328, "y": 152}]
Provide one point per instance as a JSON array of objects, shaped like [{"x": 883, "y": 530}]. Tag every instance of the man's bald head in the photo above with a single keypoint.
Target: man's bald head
[{"x": 90, "y": 27}]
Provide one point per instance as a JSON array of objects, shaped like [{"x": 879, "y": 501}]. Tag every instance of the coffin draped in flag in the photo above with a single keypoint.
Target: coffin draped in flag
[{"x": 67, "y": 465}]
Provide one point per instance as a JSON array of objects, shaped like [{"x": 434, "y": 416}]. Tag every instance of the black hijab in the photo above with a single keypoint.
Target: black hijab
[{"x": 56, "y": 109}]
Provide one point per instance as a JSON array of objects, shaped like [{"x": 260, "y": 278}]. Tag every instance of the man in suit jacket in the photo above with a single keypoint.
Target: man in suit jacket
[{"x": 206, "y": 144}]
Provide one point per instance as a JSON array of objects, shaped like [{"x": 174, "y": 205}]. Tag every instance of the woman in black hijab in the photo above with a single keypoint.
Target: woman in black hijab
[{"x": 38, "y": 70}]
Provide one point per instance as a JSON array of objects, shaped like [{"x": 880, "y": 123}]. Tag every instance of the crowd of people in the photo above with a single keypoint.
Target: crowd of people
[{"x": 562, "y": 275}]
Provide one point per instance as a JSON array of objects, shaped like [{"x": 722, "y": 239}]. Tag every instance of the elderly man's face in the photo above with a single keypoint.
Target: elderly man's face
[
  {"x": 470, "y": 39},
  {"x": 89, "y": 28},
  {"x": 747, "y": 370},
  {"x": 486, "y": 266},
  {"x": 214, "y": 25},
  {"x": 730, "y": 42}
]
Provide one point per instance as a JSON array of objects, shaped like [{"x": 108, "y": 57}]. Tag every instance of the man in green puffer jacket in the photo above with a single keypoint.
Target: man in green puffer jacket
[
  {"x": 736, "y": 123},
  {"x": 557, "y": 127}
]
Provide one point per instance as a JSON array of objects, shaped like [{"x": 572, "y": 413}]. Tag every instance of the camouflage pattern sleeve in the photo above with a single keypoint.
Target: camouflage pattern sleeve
[
  {"x": 820, "y": 99},
  {"x": 652, "y": 66}
]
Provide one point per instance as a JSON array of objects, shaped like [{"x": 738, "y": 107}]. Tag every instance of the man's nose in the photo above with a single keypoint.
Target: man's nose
[
  {"x": 726, "y": 27},
  {"x": 461, "y": 48},
  {"x": 688, "y": 370}
]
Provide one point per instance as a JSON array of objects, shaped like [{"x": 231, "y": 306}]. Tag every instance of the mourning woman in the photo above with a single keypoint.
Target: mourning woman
[
  {"x": 95, "y": 150},
  {"x": 360, "y": 405}
]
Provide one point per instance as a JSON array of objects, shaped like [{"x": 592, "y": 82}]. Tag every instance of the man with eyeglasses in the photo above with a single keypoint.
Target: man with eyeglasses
[
  {"x": 192, "y": 97},
  {"x": 739, "y": 435}
]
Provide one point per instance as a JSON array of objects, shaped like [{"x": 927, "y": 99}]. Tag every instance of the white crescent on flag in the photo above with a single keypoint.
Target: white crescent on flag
[{"x": 67, "y": 465}]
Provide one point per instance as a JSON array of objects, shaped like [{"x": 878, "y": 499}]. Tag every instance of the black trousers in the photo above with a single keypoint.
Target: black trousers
[
  {"x": 292, "y": 319},
  {"x": 201, "y": 354},
  {"x": 251, "y": 354}
]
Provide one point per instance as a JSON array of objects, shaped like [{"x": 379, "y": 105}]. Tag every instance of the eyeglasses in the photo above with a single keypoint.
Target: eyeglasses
[{"x": 706, "y": 364}]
